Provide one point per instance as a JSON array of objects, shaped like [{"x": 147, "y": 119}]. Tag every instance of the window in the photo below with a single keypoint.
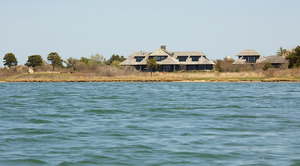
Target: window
[
  {"x": 182, "y": 58},
  {"x": 159, "y": 58},
  {"x": 251, "y": 59},
  {"x": 139, "y": 58},
  {"x": 191, "y": 67},
  {"x": 195, "y": 58}
]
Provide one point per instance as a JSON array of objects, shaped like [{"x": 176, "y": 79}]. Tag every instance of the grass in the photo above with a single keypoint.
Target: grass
[
  {"x": 157, "y": 77},
  {"x": 128, "y": 75}
]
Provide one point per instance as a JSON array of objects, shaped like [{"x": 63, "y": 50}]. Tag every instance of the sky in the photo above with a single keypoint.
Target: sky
[{"x": 81, "y": 28}]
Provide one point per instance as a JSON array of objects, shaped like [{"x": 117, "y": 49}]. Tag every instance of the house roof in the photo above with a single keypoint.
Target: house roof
[
  {"x": 276, "y": 59},
  {"x": 191, "y": 53},
  {"x": 249, "y": 52},
  {"x": 170, "y": 60},
  {"x": 240, "y": 61},
  {"x": 202, "y": 60},
  {"x": 131, "y": 60},
  {"x": 160, "y": 52}
]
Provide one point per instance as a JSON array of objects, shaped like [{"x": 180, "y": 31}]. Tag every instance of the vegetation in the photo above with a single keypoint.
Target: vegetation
[
  {"x": 225, "y": 65},
  {"x": 106, "y": 73},
  {"x": 55, "y": 60},
  {"x": 152, "y": 64},
  {"x": 97, "y": 58},
  {"x": 294, "y": 57},
  {"x": 281, "y": 51},
  {"x": 75, "y": 64},
  {"x": 10, "y": 60},
  {"x": 84, "y": 60},
  {"x": 34, "y": 61},
  {"x": 116, "y": 58},
  {"x": 267, "y": 66},
  {"x": 116, "y": 63}
]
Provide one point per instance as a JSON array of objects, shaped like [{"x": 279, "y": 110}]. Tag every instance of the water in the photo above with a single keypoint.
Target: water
[{"x": 149, "y": 124}]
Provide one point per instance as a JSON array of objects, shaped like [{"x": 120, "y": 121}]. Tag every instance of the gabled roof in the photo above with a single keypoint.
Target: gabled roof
[
  {"x": 202, "y": 61},
  {"x": 248, "y": 52},
  {"x": 169, "y": 61},
  {"x": 131, "y": 60},
  {"x": 160, "y": 52}
]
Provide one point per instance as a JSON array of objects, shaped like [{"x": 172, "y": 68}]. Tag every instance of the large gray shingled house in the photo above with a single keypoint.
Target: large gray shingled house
[{"x": 170, "y": 61}]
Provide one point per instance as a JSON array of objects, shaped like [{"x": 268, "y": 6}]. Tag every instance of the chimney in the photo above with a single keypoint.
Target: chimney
[{"x": 163, "y": 47}]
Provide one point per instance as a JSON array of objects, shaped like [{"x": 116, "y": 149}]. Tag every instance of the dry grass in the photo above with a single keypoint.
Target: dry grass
[{"x": 114, "y": 74}]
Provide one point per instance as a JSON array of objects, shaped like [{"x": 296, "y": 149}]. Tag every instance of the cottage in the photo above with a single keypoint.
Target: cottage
[
  {"x": 170, "y": 61},
  {"x": 276, "y": 61}
]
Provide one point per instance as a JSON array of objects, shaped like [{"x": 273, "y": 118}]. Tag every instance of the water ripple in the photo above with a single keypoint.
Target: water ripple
[{"x": 149, "y": 124}]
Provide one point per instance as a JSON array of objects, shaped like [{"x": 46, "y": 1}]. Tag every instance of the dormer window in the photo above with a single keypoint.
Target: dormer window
[
  {"x": 158, "y": 58},
  {"x": 195, "y": 58},
  {"x": 182, "y": 58},
  {"x": 139, "y": 58}
]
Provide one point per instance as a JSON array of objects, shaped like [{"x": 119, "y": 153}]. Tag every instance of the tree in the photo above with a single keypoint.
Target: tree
[
  {"x": 281, "y": 51},
  {"x": 10, "y": 60},
  {"x": 84, "y": 60},
  {"x": 75, "y": 64},
  {"x": 71, "y": 63},
  {"x": 34, "y": 60},
  {"x": 294, "y": 57},
  {"x": 115, "y": 58},
  {"x": 55, "y": 59},
  {"x": 152, "y": 64},
  {"x": 97, "y": 58}
]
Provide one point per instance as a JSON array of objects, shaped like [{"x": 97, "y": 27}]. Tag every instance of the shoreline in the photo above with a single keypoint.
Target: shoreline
[
  {"x": 150, "y": 80},
  {"x": 156, "y": 77}
]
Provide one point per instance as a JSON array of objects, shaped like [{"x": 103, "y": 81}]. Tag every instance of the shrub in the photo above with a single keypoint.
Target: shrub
[{"x": 267, "y": 66}]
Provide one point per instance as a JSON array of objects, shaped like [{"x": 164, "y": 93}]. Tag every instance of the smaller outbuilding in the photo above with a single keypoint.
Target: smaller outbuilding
[{"x": 276, "y": 61}]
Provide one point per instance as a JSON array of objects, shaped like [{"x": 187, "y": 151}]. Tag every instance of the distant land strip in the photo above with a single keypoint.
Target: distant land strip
[
  {"x": 154, "y": 80},
  {"x": 266, "y": 76}
]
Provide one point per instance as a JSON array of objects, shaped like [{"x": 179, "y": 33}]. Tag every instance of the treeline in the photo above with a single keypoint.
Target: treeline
[{"x": 73, "y": 64}]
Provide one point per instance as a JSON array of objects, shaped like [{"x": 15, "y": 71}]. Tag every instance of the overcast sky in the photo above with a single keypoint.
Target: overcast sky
[{"x": 76, "y": 28}]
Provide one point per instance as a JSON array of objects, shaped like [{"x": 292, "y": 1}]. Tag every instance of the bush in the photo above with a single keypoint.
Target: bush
[
  {"x": 224, "y": 66},
  {"x": 267, "y": 66},
  {"x": 116, "y": 63},
  {"x": 270, "y": 73}
]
